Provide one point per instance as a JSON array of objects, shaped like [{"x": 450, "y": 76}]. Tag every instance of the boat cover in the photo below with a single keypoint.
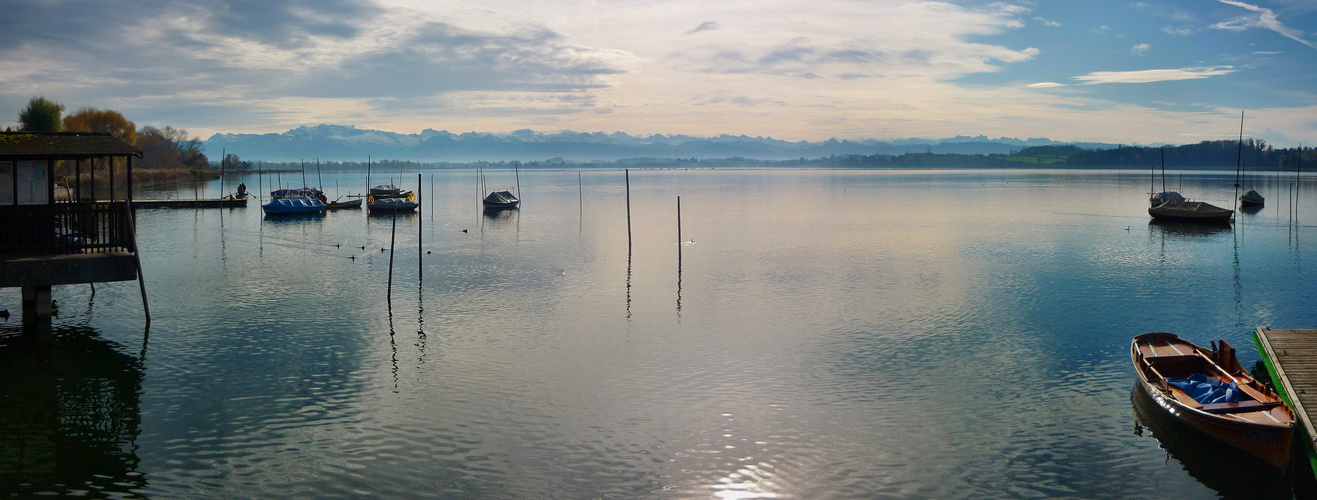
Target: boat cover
[{"x": 1205, "y": 389}]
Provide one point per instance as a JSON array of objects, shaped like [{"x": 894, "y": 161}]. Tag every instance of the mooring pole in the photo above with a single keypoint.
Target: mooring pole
[
  {"x": 420, "y": 230},
  {"x": 392, "y": 243},
  {"x": 628, "y": 207}
]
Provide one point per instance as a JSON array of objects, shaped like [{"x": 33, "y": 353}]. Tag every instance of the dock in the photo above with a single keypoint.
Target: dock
[
  {"x": 1290, "y": 356},
  {"x": 201, "y": 203}
]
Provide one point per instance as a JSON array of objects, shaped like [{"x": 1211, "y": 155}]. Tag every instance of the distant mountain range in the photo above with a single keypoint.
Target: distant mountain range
[{"x": 348, "y": 143}]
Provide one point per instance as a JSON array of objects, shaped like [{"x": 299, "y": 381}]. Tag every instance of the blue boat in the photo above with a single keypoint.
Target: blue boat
[{"x": 290, "y": 206}]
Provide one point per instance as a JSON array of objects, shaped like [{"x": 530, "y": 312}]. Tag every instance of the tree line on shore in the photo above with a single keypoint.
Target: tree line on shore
[{"x": 164, "y": 149}]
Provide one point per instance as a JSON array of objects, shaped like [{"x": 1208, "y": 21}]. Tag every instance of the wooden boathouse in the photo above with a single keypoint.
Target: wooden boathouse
[
  {"x": 83, "y": 238},
  {"x": 1290, "y": 357}
]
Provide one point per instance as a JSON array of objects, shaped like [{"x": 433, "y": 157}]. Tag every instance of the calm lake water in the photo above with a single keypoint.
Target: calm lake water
[{"x": 820, "y": 334}]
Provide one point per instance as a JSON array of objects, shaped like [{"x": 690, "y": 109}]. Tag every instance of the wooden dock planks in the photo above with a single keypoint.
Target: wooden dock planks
[{"x": 1293, "y": 357}]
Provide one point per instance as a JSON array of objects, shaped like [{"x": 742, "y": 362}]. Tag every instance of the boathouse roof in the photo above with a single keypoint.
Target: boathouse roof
[{"x": 62, "y": 146}]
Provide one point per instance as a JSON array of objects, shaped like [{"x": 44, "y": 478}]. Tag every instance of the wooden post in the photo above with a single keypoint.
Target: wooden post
[
  {"x": 420, "y": 231},
  {"x": 628, "y": 207},
  {"x": 393, "y": 242},
  {"x": 223, "y": 160}
]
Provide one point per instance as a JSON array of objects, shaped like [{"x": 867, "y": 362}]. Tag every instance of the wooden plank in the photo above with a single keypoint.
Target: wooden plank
[{"x": 1303, "y": 377}]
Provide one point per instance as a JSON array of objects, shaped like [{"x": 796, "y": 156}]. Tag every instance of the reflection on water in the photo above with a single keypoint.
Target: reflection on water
[
  {"x": 1188, "y": 229},
  {"x": 1228, "y": 471},
  {"x": 975, "y": 347},
  {"x": 69, "y": 414}
]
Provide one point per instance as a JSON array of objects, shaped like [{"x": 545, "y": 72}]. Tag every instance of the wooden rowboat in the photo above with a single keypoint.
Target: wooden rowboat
[
  {"x": 1231, "y": 407},
  {"x": 335, "y": 205}
]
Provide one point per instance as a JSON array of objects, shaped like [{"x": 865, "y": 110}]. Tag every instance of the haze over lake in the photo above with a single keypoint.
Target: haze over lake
[{"x": 819, "y": 334}]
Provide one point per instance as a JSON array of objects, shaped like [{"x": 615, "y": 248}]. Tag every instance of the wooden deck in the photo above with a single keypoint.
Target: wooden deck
[
  {"x": 1291, "y": 356},
  {"x": 202, "y": 203}
]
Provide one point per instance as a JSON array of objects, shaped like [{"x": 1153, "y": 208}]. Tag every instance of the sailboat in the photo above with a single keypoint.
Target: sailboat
[
  {"x": 1164, "y": 196},
  {"x": 1169, "y": 206},
  {"x": 1251, "y": 198}
]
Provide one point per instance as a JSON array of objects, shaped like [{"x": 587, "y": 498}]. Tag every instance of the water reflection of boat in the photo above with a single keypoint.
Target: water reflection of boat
[
  {"x": 1250, "y": 209},
  {"x": 1188, "y": 229},
  {"x": 1209, "y": 391},
  {"x": 70, "y": 415},
  {"x": 1229, "y": 471},
  {"x": 1199, "y": 212}
]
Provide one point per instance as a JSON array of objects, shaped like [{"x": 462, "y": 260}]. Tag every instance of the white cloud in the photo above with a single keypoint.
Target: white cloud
[
  {"x": 1265, "y": 18},
  {"x": 1140, "y": 49},
  {"x": 1154, "y": 75},
  {"x": 1045, "y": 85},
  {"x": 1048, "y": 23}
]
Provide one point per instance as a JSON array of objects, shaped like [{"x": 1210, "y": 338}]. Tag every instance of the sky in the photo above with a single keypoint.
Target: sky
[{"x": 1177, "y": 71}]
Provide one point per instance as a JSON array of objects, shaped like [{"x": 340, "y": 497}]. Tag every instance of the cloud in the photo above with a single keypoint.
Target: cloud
[
  {"x": 1048, "y": 23},
  {"x": 704, "y": 26},
  {"x": 1265, "y": 19},
  {"x": 1140, "y": 49},
  {"x": 1177, "y": 31},
  {"x": 1045, "y": 85},
  {"x": 1154, "y": 75}
]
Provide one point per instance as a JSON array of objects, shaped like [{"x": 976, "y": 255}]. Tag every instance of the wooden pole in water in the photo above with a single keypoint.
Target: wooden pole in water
[
  {"x": 319, "y": 179},
  {"x": 303, "y": 173},
  {"x": 420, "y": 231},
  {"x": 1239, "y": 161},
  {"x": 260, "y": 183},
  {"x": 393, "y": 241},
  {"x": 367, "y": 174},
  {"x": 628, "y": 207},
  {"x": 516, "y": 170},
  {"x": 223, "y": 161},
  {"x": 679, "y": 240}
]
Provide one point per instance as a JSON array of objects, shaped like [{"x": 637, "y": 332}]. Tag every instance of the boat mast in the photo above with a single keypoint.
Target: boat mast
[
  {"x": 1239, "y": 162},
  {"x": 1163, "y": 169},
  {"x": 319, "y": 179}
]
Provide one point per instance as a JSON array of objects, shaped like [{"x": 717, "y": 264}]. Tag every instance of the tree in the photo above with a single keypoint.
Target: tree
[
  {"x": 104, "y": 121},
  {"x": 230, "y": 162},
  {"x": 170, "y": 148},
  {"x": 40, "y": 115}
]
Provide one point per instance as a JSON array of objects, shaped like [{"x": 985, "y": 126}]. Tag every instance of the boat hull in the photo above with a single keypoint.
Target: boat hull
[
  {"x": 1191, "y": 211},
  {"x": 338, "y": 205},
  {"x": 293, "y": 206},
  {"x": 1271, "y": 442},
  {"x": 1251, "y": 198}
]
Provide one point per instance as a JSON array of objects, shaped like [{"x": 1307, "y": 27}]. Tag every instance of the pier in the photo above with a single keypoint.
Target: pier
[
  {"x": 1290, "y": 356},
  {"x": 202, "y": 203}
]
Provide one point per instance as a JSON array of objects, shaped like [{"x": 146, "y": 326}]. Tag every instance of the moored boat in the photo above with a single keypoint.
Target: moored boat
[
  {"x": 1251, "y": 198},
  {"x": 1208, "y": 390},
  {"x": 336, "y": 205},
  {"x": 391, "y": 204},
  {"x": 290, "y": 206},
  {"x": 1191, "y": 211},
  {"x": 500, "y": 200},
  {"x": 1163, "y": 197}
]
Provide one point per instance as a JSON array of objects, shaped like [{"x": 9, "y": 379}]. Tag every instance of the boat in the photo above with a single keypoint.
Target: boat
[
  {"x": 1163, "y": 197},
  {"x": 501, "y": 200},
  {"x": 392, "y": 204},
  {"x": 386, "y": 191},
  {"x": 1251, "y": 198},
  {"x": 291, "y": 206},
  {"x": 336, "y": 205},
  {"x": 1208, "y": 390},
  {"x": 306, "y": 192},
  {"x": 1191, "y": 211}
]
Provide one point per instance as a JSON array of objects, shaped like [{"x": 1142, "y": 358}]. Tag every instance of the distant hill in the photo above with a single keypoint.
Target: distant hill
[{"x": 348, "y": 143}]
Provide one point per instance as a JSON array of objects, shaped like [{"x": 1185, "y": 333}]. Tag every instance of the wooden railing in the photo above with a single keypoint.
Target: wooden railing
[{"x": 64, "y": 228}]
